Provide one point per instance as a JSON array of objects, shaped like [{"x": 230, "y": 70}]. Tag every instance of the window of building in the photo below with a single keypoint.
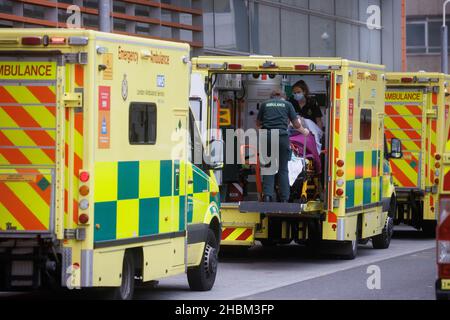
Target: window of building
[
  {"x": 231, "y": 25},
  {"x": 142, "y": 123},
  {"x": 6, "y": 6},
  {"x": 424, "y": 36},
  {"x": 365, "y": 124}
]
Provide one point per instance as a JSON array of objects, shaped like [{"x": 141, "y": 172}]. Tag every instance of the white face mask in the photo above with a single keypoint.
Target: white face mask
[{"x": 300, "y": 97}]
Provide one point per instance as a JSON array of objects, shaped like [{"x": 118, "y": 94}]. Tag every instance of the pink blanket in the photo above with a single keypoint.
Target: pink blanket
[{"x": 298, "y": 139}]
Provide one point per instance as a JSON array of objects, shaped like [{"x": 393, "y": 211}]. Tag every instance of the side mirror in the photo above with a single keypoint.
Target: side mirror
[
  {"x": 396, "y": 149},
  {"x": 214, "y": 160}
]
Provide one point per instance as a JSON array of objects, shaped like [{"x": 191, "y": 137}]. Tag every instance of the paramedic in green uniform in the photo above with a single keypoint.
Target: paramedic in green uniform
[{"x": 275, "y": 114}]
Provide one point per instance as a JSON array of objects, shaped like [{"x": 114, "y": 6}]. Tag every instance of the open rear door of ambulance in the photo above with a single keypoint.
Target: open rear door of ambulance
[
  {"x": 405, "y": 120},
  {"x": 28, "y": 144}
]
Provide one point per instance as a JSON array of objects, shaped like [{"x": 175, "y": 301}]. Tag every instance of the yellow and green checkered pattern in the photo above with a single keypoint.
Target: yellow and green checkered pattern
[
  {"x": 363, "y": 178},
  {"x": 142, "y": 198}
]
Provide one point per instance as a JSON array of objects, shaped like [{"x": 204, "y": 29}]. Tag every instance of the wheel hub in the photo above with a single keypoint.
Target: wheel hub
[{"x": 211, "y": 260}]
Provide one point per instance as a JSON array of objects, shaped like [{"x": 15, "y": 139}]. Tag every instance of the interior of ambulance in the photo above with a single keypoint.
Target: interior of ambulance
[{"x": 233, "y": 101}]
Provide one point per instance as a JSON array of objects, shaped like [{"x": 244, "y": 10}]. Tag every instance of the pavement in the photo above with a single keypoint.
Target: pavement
[{"x": 407, "y": 271}]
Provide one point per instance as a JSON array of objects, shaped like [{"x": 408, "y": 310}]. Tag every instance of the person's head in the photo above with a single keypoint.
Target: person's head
[
  {"x": 300, "y": 87},
  {"x": 300, "y": 90},
  {"x": 277, "y": 94}
]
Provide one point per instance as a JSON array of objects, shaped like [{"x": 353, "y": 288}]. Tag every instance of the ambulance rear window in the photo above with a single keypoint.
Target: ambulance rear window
[
  {"x": 365, "y": 124},
  {"x": 142, "y": 123}
]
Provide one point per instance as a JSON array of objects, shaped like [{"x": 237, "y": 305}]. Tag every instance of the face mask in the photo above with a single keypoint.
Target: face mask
[{"x": 299, "y": 97}]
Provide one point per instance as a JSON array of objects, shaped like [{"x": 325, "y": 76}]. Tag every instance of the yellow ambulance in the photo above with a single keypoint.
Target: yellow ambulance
[
  {"x": 350, "y": 201},
  {"x": 442, "y": 208},
  {"x": 97, "y": 185},
  {"x": 415, "y": 114}
]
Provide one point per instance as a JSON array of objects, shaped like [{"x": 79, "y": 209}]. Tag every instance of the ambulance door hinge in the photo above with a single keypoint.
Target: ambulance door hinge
[
  {"x": 75, "y": 58},
  {"x": 77, "y": 234},
  {"x": 73, "y": 99}
]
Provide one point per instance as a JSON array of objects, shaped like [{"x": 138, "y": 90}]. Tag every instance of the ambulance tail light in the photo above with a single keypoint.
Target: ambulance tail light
[
  {"x": 32, "y": 41},
  {"x": 234, "y": 66},
  {"x": 84, "y": 190},
  {"x": 83, "y": 218},
  {"x": 407, "y": 80},
  {"x": 443, "y": 237},
  {"x": 339, "y": 192},
  {"x": 340, "y": 163},
  {"x": 437, "y": 157},
  {"x": 84, "y": 176}
]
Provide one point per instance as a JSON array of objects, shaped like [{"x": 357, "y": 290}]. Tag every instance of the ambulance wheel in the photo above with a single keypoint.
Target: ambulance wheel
[
  {"x": 429, "y": 228},
  {"x": 202, "y": 277},
  {"x": 346, "y": 250},
  {"x": 126, "y": 289},
  {"x": 349, "y": 250},
  {"x": 383, "y": 240},
  {"x": 268, "y": 242}
]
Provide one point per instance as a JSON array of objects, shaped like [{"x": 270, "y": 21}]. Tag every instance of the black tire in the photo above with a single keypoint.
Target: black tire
[
  {"x": 126, "y": 289},
  {"x": 429, "y": 228},
  {"x": 268, "y": 242},
  {"x": 442, "y": 296},
  {"x": 347, "y": 250},
  {"x": 203, "y": 276},
  {"x": 383, "y": 240}
]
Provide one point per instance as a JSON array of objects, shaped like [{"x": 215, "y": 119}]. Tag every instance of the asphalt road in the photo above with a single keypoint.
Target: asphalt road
[{"x": 407, "y": 271}]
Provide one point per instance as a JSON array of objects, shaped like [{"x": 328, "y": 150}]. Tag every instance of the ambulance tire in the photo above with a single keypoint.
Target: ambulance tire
[
  {"x": 202, "y": 277},
  {"x": 383, "y": 240},
  {"x": 349, "y": 250},
  {"x": 429, "y": 228},
  {"x": 346, "y": 250},
  {"x": 268, "y": 242},
  {"x": 126, "y": 289}
]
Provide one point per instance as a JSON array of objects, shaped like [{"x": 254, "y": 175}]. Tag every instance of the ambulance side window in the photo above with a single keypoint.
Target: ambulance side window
[
  {"x": 142, "y": 123},
  {"x": 365, "y": 124}
]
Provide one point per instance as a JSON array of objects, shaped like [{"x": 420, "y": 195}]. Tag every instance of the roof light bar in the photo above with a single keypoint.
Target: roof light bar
[
  {"x": 32, "y": 41},
  {"x": 78, "y": 41}
]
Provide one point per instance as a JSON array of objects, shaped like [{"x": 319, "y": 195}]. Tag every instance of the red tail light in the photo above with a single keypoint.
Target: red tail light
[
  {"x": 339, "y": 192},
  {"x": 83, "y": 218},
  {"x": 32, "y": 41},
  {"x": 340, "y": 163},
  {"x": 444, "y": 219},
  {"x": 84, "y": 176},
  {"x": 444, "y": 271}
]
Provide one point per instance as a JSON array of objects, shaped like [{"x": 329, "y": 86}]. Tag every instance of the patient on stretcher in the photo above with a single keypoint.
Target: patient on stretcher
[{"x": 313, "y": 148}]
